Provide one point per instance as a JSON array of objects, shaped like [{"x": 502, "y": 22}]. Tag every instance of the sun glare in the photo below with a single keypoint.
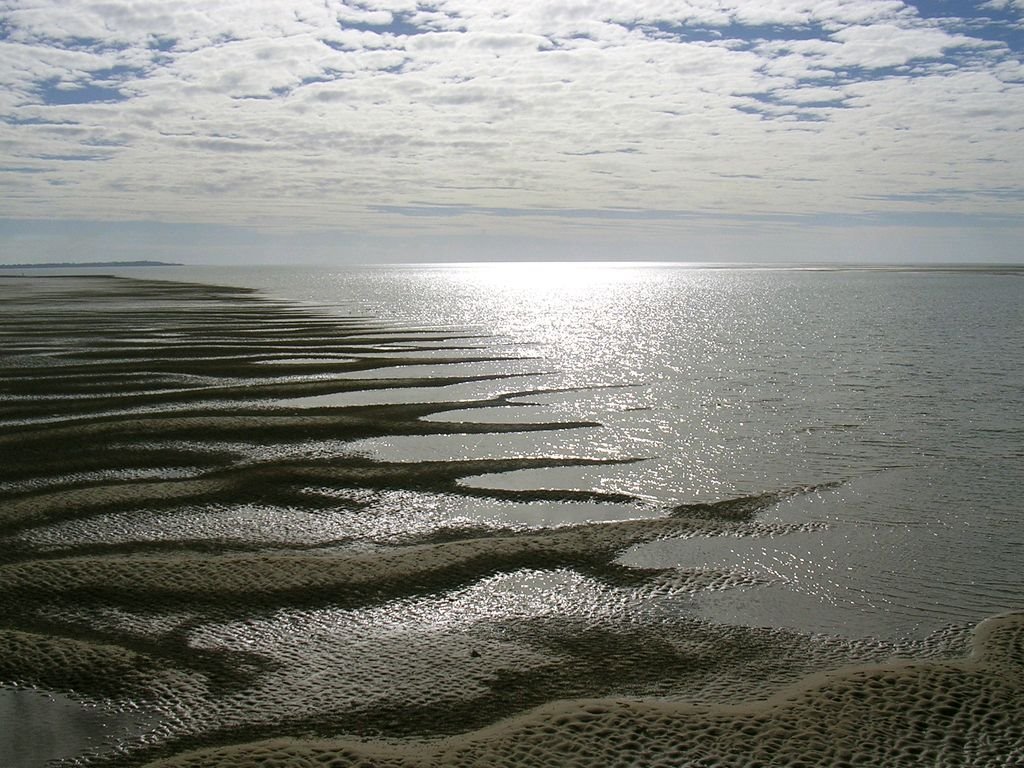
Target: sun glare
[{"x": 548, "y": 277}]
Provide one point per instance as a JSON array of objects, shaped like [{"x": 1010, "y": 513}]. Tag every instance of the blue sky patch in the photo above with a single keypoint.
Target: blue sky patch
[
  {"x": 54, "y": 93},
  {"x": 162, "y": 44},
  {"x": 400, "y": 25}
]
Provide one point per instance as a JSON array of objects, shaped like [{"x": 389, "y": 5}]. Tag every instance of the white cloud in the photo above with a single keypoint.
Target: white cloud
[
  {"x": 1002, "y": 5},
  {"x": 890, "y": 45},
  {"x": 302, "y": 114}
]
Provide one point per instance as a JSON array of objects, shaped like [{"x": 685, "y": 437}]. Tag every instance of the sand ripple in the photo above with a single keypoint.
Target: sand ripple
[{"x": 187, "y": 528}]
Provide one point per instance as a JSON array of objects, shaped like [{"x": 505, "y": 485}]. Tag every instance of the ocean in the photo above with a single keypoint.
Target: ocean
[{"x": 410, "y": 507}]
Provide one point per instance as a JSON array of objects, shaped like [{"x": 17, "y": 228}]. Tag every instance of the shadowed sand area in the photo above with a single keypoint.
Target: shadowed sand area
[{"x": 180, "y": 537}]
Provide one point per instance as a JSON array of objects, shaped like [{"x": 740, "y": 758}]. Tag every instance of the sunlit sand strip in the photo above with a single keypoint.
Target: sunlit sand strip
[
  {"x": 44, "y": 505},
  {"x": 357, "y": 578},
  {"x": 106, "y": 398},
  {"x": 65, "y": 663},
  {"x": 902, "y": 714},
  {"x": 180, "y": 420},
  {"x": 191, "y": 400},
  {"x": 100, "y": 476}
]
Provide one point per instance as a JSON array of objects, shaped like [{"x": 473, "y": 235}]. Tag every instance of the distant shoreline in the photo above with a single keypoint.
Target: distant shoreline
[{"x": 78, "y": 264}]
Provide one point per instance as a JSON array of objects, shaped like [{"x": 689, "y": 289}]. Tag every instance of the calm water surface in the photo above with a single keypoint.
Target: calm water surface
[{"x": 897, "y": 390}]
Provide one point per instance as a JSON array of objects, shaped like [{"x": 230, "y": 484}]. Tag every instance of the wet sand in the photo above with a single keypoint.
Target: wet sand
[
  {"x": 179, "y": 537},
  {"x": 965, "y": 712}
]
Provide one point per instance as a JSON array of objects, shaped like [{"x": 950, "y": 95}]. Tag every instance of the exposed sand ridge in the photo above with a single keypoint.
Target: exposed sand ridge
[{"x": 174, "y": 535}]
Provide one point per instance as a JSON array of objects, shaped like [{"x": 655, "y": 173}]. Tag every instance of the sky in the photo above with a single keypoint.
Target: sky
[{"x": 322, "y": 131}]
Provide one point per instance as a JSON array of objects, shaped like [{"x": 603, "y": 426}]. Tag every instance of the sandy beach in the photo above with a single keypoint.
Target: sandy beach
[{"x": 179, "y": 539}]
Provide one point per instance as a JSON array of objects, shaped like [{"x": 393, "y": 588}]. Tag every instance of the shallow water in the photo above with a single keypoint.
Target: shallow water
[
  {"x": 904, "y": 384},
  {"x": 424, "y": 499}
]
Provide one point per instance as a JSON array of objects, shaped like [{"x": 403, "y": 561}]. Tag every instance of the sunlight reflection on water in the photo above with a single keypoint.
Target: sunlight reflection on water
[
  {"x": 824, "y": 452},
  {"x": 731, "y": 381}
]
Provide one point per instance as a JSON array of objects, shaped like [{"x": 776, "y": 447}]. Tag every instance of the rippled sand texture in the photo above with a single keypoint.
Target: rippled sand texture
[{"x": 178, "y": 536}]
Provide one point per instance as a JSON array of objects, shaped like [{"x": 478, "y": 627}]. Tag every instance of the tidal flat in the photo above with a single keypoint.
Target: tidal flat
[{"x": 194, "y": 545}]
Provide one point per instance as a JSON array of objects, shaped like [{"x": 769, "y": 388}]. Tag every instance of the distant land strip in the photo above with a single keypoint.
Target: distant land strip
[{"x": 70, "y": 264}]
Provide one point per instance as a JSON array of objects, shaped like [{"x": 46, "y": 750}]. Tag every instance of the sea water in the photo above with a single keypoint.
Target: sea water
[
  {"x": 874, "y": 416},
  {"x": 902, "y": 387}
]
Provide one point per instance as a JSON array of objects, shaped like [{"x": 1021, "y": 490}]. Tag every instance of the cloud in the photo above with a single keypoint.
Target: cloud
[
  {"x": 349, "y": 114},
  {"x": 889, "y": 45}
]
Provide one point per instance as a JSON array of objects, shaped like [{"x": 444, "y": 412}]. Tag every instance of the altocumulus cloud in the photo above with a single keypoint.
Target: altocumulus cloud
[{"x": 455, "y": 117}]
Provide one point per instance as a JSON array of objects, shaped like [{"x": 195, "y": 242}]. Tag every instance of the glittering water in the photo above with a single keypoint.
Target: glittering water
[
  {"x": 904, "y": 385},
  {"x": 404, "y": 502}
]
